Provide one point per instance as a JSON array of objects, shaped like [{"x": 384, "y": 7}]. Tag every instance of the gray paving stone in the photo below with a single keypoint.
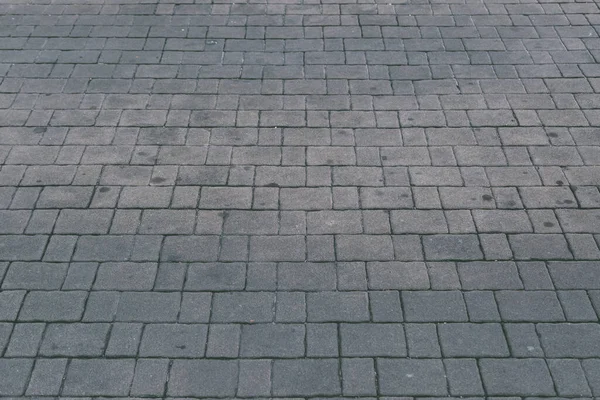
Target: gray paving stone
[
  {"x": 53, "y": 306},
  {"x": 272, "y": 341},
  {"x": 569, "y": 378},
  {"x": 525, "y": 306},
  {"x": 426, "y": 306},
  {"x": 575, "y": 275},
  {"x": 74, "y": 340},
  {"x": 397, "y": 275},
  {"x": 309, "y": 377},
  {"x": 15, "y": 373},
  {"x": 40, "y": 276},
  {"x": 569, "y": 340},
  {"x": 524, "y": 377},
  {"x": 243, "y": 307},
  {"x": 176, "y": 341},
  {"x": 472, "y": 340},
  {"x": 306, "y": 276},
  {"x": 148, "y": 307},
  {"x": 539, "y": 246},
  {"x": 254, "y": 378},
  {"x": 98, "y": 377},
  {"x": 150, "y": 377},
  {"x": 411, "y": 377},
  {"x": 215, "y": 276},
  {"x": 452, "y": 247},
  {"x": 337, "y": 307},
  {"x": 203, "y": 378},
  {"x": 46, "y": 378},
  {"x": 358, "y": 376},
  {"x": 359, "y": 340},
  {"x": 125, "y": 276},
  {"x": 489, "y": 275},
  {"x": 22, "y": 248}
]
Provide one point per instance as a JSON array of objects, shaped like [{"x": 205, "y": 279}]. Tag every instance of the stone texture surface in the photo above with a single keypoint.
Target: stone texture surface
[{"x": 299, "y": 199}]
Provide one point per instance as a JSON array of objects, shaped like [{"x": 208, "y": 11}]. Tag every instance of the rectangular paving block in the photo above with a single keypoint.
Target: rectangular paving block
[
  {"x": 337, "y": 306},
  {"x": 97, "y": 377},
  {"x": 176, "y": 341},
  {"x": 411, "y": 377},
  {"x": 308, "y": 377},
  {"x": 522, "y": 377},
  {"x": 202, "y": 378}
]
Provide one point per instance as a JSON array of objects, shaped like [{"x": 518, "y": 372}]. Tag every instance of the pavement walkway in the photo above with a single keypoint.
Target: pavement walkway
[{"x": 299, "y": 198}]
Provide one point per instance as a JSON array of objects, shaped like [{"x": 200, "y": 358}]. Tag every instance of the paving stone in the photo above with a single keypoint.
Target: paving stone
[
  {"x": 463, "y": 377},
  {"x": 15, "y": 373},
  {"x": 359, "y": 340},
  {"x": 53, "y": 306},
  {"x": 358, "y": 376},
  {"x": 243, "y": 307},
  {"x": 203, "y": 378},
  {"x": 40, "y": 276},
  {"x": 411, "y": 377},
  {"x": 524, "y": 377},
  {"x": 396, "y": 275},
  {"x": 424, "y": 306},
  {"x": 254, "y": 378},
  {"x": 148, "y": 307},
  {"x": 98, "y": 377},
  {"x": 150, "y": 377},
  {"x": 74, "y": 340},
  {"x": 337, "y": 307},
  {"x": 472, "y": 340},
  {"x": 489, "y": 275},
  {"x": 575, "y": 275},
  {"x": 306, "y": 276},
  {"x": 569, "y": 378},
  {"x": 272, "y": 341},
  {"x": 364, "y": 248},
  {"x": 46, "y": 378},
  {"x": 529, "y": 306},
  {"x": 309, "y": 377},
  {"x": 176, "y": 341},
  {"x": 569, "y": 340},
  {"x": 125, "y": 276},
  {"x": 124, "y": 339},
  {"x": 452, "y": 247},
  {"x": 215, "y": 276}
]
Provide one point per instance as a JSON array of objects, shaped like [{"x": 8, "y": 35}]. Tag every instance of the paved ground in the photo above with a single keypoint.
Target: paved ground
[{"x": 300, "y": 199}]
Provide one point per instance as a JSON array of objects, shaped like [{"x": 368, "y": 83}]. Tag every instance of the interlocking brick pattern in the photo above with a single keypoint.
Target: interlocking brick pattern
[{"x": 299, "y": 198}]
